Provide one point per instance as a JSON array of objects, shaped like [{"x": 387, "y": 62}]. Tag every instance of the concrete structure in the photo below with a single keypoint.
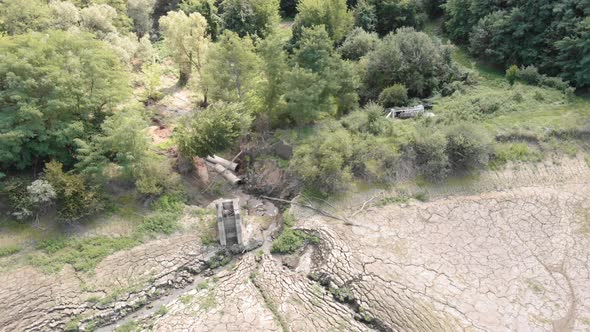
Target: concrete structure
[
  {"x": 404, "y": 112},
  {"x": 229, "y": 222}
]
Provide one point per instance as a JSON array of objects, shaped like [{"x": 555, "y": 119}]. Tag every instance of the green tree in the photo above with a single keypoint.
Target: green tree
[
  {"x": 395, "y": 95},
  {"x": 333, "y": 14},
  {"x": 99, "y": 19},
  {"x": 337, "y": 80},
  {"x": 358, "y": 43},
  {"x": 41, "y": 196},
  {"x": 524, "y": 33},
  {"x": 125, "y": 142},
  {"x": 187, "y": 41},
  {"x": 231, "y": 74},
  {"x": 63, "y": 15},
  {"x": 212, "y": 130},
  {"x": 273, "y": 69},
  {"x": 208, "y": 9},
  {"x": 305, "y": 97},
  {"x": 21, "y": 16},
  {"x": 365, "y": 15},
  {"x": 251, "y": 17},
  {"x": 140, "y": 11},
  {"x": 394, "y": 14},
  {"x": 411, "y": 58},
  {"x": 57, "y": 87}
]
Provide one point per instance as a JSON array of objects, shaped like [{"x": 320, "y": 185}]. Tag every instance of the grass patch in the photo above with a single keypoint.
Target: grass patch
[
  {"x": 290, "y": 240},
  {"x": 162, "y": 310},
  {"x": 186, "y": 299},
  {"x": 202, "y": 285},
  {"x": 130, "y": 326},
  {"x": 516, "y": 152},
  {"x": 208, "y": 302},
  {"x": 83, "y": 254},
  {"x": 207, "y": 229},
  {"x": 9, "y": 250}
]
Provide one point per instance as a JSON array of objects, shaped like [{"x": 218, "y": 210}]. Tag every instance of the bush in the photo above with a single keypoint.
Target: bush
[
  {"x": 529, "y": 74},
  {"x": 468, "y": 148},
  {"x": 431, "y": 158},
  {"x": 409, "y": 57},
  {"x": 212, "y": 130},
  {"x": 395, "y": 95},
  {"x": 511, "y": 74},
  {"x": 75, "y": 198},
  {"x": 459, "y": 148},
  {"x": 15, "y": 192},
  {"x": 323, "y": 163},
  {"x": 358, "y": 43},
  {"x": 288, "y": 242},
  {"x": 161, "y": 222}
]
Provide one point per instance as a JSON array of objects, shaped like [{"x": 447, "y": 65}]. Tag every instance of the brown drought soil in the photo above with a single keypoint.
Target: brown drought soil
[{"x": 513, "y": 257}]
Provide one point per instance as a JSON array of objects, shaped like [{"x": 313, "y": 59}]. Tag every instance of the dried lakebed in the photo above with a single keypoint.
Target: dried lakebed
[{"x": 515, "y": 258}]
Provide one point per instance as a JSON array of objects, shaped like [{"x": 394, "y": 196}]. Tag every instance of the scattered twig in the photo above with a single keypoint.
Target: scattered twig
[
  {"x": 311, "y": 207},
  {"x": 365, "y": 204}
]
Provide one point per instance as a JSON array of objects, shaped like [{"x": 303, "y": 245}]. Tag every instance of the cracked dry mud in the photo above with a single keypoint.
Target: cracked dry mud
[
  {"x": 512, "y": 259},
  {"x": 515, "y": 259}
]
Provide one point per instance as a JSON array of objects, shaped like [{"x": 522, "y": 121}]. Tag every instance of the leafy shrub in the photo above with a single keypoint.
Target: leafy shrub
[
  {"x": 358, "y": 43},
  {"x": 529, "y": 74},
  {"x": 288, "y": 242},
  {"x": 511, "y": 74},
  {"x": 76, "y": 199},
  {"x": 212, "y": 130},
  {"x": 395, "y": 95},
  {"x": 431, "y": 157},
  {"x": 505, "y": 152},
  {"x": 468, "y": 148},
  {"x": 160, "y": 222},
  {"x": 15, "y": 192},
  {"x": 323, "y": 163},
  {"x": 459, "y": 148}
]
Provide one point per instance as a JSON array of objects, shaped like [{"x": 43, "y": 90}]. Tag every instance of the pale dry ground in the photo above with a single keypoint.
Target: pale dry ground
[
  {"x": 31, "y": 300},
  {"x": 514, "y": 258}
]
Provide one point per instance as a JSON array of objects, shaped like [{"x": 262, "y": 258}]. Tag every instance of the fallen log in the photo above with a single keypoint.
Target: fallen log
[
  {"x": 227, "y": 174},
  {"x": 230, "y": 165}
]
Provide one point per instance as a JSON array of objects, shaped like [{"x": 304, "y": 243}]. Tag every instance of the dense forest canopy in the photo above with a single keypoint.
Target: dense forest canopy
[{"x": 551, "y": 35}]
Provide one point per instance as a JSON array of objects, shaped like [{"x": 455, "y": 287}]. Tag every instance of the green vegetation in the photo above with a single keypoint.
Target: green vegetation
[
  {"x": 130, "y": 326},
  {"x": 162, "y": 310},
  {"x": 93, "y": 123},
  {"x": 212, "y": 130},
  {"x": 290, "y": 240},
  {"x": 83, "y": 254},
  {"x": 549, "y": 34},
  {"x": 9, "y": 250}
]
